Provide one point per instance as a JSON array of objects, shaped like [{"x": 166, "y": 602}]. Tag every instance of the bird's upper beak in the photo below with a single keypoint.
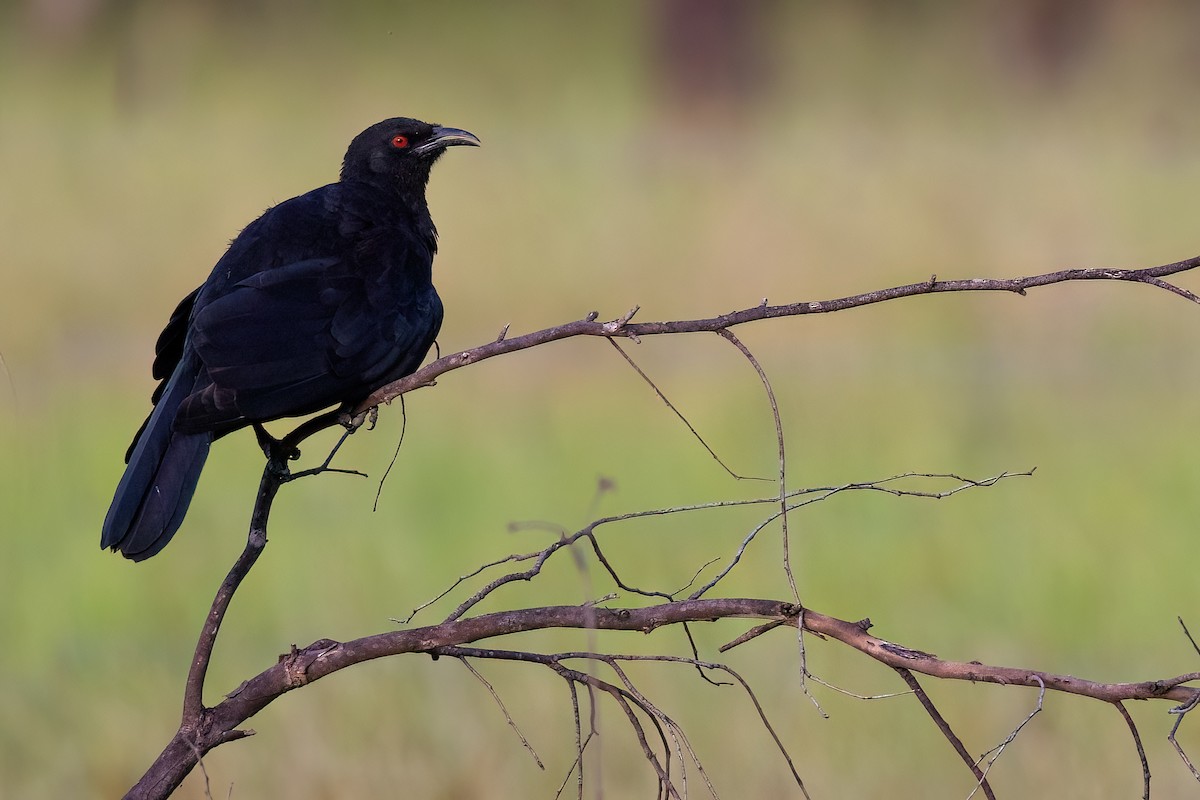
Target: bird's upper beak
[{"x": 447, "y": 137}]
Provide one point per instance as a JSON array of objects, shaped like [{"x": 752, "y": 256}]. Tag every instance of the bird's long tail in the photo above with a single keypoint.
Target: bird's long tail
[{"x": 154, "y": 493}]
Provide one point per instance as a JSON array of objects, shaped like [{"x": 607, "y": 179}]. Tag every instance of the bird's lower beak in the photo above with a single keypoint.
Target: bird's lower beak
[{"x": 448, "y": 137}]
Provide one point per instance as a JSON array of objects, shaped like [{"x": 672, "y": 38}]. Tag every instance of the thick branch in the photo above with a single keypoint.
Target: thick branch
[
  {"x": 220, "y": 723},
  {"x": 900, "y": 657}
]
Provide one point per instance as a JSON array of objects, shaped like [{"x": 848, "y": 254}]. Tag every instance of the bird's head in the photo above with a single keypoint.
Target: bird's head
[{"x": 398, "y": 153}]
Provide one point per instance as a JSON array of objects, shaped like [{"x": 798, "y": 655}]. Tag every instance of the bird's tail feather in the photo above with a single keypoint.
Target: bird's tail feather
[{"x": 154, "y": 493}]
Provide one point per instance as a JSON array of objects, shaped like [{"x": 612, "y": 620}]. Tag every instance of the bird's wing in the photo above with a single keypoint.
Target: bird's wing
[
  {"x": 302, "y": 337},
  {"x": 168, "y": 351}
]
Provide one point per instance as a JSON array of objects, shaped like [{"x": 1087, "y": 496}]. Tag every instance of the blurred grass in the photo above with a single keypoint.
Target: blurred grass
[{"x": 889, "y": 149}]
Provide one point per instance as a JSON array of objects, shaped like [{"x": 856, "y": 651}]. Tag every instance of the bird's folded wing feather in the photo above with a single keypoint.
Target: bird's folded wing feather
[{"x": 302, "y": 337}]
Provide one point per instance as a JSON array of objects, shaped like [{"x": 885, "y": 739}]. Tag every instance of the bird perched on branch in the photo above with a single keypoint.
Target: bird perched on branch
[{"x": 320, "y": 301}]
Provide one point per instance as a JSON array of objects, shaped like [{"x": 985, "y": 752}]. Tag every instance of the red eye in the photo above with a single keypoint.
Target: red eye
[{"x": 400, "y": 142}]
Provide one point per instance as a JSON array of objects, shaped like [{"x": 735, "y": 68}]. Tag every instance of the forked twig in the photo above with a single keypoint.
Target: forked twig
[
  {"x": 808, "y": 496},
  {"x": 515, "y": 557},
  {"x": 998, "y": 750},
  {"x": 664, "y": 725},
  {"x": 1181, "y": 711}
]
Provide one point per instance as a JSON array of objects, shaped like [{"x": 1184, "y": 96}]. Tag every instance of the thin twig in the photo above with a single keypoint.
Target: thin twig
[
  {"x": 726, "y": 334},
  {"x": 517, "y": 557},
  {"x": 579, "y": 745},
  {"x": 812, "y": 495},
  {"x": 696, "y": 434},
  {"x": 755, "y": 632},
  {"x": 805, "y": 674},
  {"x": 395, "y": 455},
  {"x": 351, "y": 426},
  {"x": 612, "y": 571},
  {"x": 857, "y": 695},
  {"x": 1188, "y": 634},
  {"x": 507, "y": 717},
  {"x": 998, "y": 750},
  {"x": 946, "y": 730},
  {"x": 1141, "y": 751},
  {"x": 695, "y": 576},
  {"x": 203, "y": 770},
  {"x": 1182, "y": 711},
  {"x": 691, "y": 640}
]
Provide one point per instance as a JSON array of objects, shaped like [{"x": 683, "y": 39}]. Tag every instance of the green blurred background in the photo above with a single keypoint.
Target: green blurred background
[{"x": 690, "y": 157}]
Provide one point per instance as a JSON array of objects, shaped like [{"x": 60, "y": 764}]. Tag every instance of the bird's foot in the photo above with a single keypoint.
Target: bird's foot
[{"x": 352, "y": 422}]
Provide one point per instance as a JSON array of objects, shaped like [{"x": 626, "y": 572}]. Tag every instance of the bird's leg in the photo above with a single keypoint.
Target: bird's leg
[{"x": 266, "y": 442}]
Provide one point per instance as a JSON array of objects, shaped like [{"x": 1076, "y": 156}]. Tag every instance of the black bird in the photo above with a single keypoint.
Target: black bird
[{"x": 318, "y": 302}]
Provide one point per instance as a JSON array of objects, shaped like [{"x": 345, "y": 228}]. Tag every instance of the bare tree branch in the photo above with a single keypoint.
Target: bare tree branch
[
  {"x": 203, "y": 728},
  {"x": 589, "y": 326},
  {"x": 220, "y": 723}
]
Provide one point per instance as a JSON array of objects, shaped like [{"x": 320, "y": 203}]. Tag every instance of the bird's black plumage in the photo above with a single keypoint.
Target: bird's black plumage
[{"x": 318, "y": 302}]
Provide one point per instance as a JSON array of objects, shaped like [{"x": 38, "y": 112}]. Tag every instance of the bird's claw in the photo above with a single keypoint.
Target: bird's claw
[{"x": 352, "y": 422}]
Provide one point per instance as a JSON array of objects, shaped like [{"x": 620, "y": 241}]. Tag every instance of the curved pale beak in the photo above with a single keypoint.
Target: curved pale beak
[{"x": 447, "y": 137}]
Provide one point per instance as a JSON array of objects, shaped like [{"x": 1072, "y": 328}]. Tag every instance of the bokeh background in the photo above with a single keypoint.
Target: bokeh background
[{"x": 692, "y": 158}]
